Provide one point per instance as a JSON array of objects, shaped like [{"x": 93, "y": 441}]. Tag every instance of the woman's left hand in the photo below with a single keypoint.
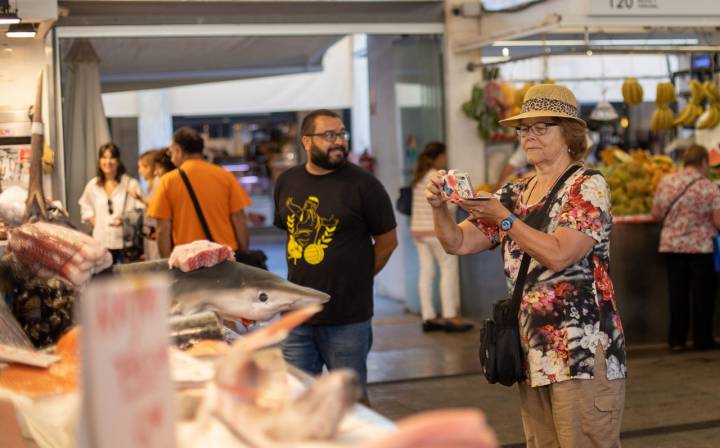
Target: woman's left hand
[{"x": 490, "y": 210}]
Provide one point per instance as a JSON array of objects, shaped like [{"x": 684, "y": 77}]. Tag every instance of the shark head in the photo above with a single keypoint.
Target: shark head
[{"x": 259, "y": 296}]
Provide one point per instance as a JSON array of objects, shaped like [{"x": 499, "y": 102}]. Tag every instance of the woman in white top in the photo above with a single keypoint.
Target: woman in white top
[
  {"x": 109, "y": 197},
  {"x": 430, "y": 251}
]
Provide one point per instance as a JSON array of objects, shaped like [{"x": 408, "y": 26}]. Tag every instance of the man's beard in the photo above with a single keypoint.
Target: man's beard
[{"x": 323, "y": 160}]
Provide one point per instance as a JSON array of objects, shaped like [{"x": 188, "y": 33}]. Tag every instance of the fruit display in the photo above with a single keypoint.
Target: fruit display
[
  {"x": 710, "y": 118},
  {"x": 662, "y": 118},
  {"x": 487, "y": 105},
  {"x": 693, "y": 110},
  {"x": 633, "y": 178},
  {"x": 632, "y": 92},
  {"x": 520, "y": 96}
]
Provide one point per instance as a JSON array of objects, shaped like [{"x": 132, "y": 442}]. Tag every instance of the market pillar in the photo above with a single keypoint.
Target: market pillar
[
  {"x": 465, "y": 150},
  {"x": 154, "y": 120}
]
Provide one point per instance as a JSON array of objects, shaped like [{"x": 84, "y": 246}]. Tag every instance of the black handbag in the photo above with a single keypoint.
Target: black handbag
[
  {"x": 500, "y": 352},
  {"x": 404, "y": 201},
  {"x": 256, "y": 258},
  {"x": 132, "y": 225}
]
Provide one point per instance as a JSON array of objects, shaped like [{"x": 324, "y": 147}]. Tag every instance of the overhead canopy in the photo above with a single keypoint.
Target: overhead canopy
[{"x": 157, "y": 62}]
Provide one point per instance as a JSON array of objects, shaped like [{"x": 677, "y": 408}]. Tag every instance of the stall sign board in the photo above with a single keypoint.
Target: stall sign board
[
  {"x": 127, "y": 391},
  {"x": 655, "y": 8}
]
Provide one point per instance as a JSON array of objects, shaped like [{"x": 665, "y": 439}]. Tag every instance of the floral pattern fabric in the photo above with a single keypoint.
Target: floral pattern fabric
[
  {"x": 688, "y": 227},
  {"x": 565, "y": 315}
]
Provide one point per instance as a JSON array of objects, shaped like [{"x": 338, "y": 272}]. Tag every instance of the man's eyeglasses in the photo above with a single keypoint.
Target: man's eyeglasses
[
  {"x": 536, "y": 129},
  {"x": 331, "y": 136},
  {"x": 110, "y": 207}
]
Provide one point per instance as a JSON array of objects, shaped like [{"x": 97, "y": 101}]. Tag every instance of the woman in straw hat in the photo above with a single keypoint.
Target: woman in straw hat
[{"x": 570, "y": 328}]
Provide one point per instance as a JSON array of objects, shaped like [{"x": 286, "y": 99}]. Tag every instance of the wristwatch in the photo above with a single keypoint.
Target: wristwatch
[{"x": 506, "y": 224}]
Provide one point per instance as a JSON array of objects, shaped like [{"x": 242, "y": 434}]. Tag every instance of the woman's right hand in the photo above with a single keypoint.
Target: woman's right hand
[{"x": 433, "y": 190}]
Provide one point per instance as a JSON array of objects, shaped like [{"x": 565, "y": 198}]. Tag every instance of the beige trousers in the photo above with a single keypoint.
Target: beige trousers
[{"x": 576, "y": 413}]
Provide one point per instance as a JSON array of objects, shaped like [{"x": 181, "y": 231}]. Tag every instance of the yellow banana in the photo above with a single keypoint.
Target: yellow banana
[
  {"x": 632, "y": 91},
  {"x": 708, "y": 118},
  {"x": 711, "y": 90}
]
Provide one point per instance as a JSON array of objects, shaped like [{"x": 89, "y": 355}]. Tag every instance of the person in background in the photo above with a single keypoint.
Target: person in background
[
  {"x": 146, "y": 169},
  {"x": 688, "y": 204},
  {"x": 163, "y": 163},
  {"x": 570, "y": 329},
  {"x": 340, "y": 229},
  {"x": 107, "y": 198},
  {"x": 430, "y": 251},
  {"x": 220, "y": 196}
]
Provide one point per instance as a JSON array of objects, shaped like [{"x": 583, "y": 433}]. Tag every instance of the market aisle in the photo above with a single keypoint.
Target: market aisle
[{"x": 673, "y": 400}]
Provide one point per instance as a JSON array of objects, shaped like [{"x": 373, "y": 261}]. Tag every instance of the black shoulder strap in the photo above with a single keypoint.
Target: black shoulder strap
[
  {"x": 525, "y": 263},
  {"x": 196, "y": 204},
  {"x": 672, "y": 204}
]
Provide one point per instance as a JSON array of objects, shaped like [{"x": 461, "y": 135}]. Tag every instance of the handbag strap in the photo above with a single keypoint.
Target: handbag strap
[
  {"x": 196, "y": 204},
  {"x": 544, "y": 212},
  {"x": 682, "y": 193}
]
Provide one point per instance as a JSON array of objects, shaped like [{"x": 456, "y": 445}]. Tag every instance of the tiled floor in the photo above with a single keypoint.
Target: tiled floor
[{"x": 673, "y": 400}]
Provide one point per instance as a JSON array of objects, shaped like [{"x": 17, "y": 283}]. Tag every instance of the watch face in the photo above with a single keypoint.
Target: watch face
[{"x": 505, "y": 224}]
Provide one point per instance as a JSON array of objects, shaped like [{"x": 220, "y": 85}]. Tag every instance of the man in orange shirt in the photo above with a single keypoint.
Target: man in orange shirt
[{"x": 220, "y": 196}]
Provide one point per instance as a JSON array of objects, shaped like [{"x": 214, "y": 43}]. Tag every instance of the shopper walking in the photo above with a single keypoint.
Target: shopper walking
[
  {"x": 220, "y": 197},
  {"x": 688, "y": 203},
  {"x": 146, "y": 170},
  {"x": 570, "y": 328},
  {"x": 108, "y": 199},
  {"x": 430, "y": 251},
  {"x": 340, "y": 232}
]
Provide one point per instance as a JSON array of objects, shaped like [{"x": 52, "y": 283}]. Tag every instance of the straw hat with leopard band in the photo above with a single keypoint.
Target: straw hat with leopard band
[{"x": 546, "y": 100}]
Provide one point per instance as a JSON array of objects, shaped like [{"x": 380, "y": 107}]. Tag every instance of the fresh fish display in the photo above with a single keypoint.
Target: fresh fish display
[
  {"x": 42, "y": 306},
  {"x": 233, "y": 290},
  {"x": 314, "y": 415},
  {"x": 11, "y": 333},
  {"x": 199, "y": 254},
  {"x": 54, "y": 250},
  {"x": 185, "y": 330}
]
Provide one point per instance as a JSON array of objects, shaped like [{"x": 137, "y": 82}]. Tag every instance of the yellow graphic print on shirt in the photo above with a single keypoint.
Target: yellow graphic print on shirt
[{"x": 308, "y": 233}]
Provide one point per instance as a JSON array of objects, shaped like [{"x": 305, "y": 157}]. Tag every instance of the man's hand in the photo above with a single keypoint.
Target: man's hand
[
  {"x": 164, "y": 237},
  {"x": 385, "y": 244}
]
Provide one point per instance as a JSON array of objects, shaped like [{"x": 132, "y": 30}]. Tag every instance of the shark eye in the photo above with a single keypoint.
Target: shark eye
[{"x": 262, "y": 296}]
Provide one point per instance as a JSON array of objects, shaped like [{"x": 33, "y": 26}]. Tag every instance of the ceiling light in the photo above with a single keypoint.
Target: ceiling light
[
  {"x": 506, "y": 51},
  {"x": 21, "y": 30},
  {"x": 578, "y": 42},
  {"x": 604, "y": 111},
  {"x": 7, "y": 15}
]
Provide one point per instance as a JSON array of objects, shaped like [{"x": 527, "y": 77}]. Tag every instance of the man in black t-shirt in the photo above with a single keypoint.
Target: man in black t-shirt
[{"x": 340, "y": 229}]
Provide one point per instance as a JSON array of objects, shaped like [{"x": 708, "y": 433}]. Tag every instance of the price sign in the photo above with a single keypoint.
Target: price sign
[
  {"x": 127, "y": 391},
  {"x": 672, "y": 8}
]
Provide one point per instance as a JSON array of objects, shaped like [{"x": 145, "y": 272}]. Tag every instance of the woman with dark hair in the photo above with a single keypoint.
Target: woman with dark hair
[
  {"x": 430, "y": 251},
  {"x": 108, "y": 198},
  {"x": 688, "y": 204}
]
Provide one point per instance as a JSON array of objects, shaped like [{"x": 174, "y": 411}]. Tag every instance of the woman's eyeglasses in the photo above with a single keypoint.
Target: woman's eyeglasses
[
  {"x": 110, "y": 206},
  {"x": 536, "y": 129},
  {"x": 331, "y": 136}
]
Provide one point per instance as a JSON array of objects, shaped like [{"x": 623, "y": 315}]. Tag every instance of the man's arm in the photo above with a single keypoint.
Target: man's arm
[
  {"x": 385, "y": 244},
  {"x": 164, "y": 236},
  {"x": 241, "y": 231}
]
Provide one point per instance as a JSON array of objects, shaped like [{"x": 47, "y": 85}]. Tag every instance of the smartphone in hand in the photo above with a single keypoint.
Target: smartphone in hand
[{"x": 457, "y": 185}]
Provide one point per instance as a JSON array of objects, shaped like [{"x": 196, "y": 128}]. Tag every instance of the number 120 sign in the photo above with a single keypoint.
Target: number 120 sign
[{"x": 654, "y": 8}]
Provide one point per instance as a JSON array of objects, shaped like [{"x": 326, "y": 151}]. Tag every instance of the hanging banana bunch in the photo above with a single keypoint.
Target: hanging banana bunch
[
  {"x": 632, "y": 91},
  {"x": 711, "y": 117},
  {"x": 662, "y": 118},
  {"x": 690, "y": 113}
]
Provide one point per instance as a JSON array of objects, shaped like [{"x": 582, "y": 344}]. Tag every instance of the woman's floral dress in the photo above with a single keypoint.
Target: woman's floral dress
[{"x": 564, "y": 315}]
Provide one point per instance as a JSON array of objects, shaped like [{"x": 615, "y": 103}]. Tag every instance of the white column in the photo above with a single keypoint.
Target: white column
[
  {"x": 154, "y": 120},
  {"x": 465, "y": 149},
  {"x": 360, "y": 132},
  {"x": 387, "y": 148}
]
